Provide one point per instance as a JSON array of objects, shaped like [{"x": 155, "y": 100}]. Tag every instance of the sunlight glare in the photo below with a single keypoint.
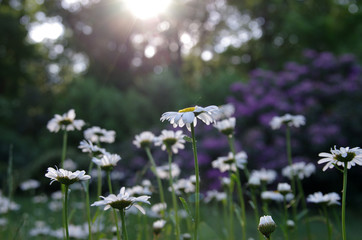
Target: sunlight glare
[{"x": 145, "y": 9}]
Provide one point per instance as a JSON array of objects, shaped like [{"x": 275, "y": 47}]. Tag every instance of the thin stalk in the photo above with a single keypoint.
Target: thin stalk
[
  {"x": 114, "y": 210},
  {"x": 124, "y": 229},
  {"x": 304, "y": 205},
  {"x": 197, "y": 193},
  {"x": 87, "y": 204},
  {"x": 99, "y": 181},
  {"x": 231, "y": 210},
  {"x": 63, "y": 189},
  {"x": 344, "y": 234},
  {"x": 153, "y": 168},
  {"x": 256, "y": 210},
  {"x": 174, "y": 200},
  {"x": 285, "y": 218},
  {"x": 327, "y": 222},
  {"x": 10, "y": 174},
  {"x": 264, "y": 202},
  {"x": 64, "y": 148},
  {"x": 289, "y": 155},
  {"x": 66, "y": 211},
  {"x": 239, "y": 189}
]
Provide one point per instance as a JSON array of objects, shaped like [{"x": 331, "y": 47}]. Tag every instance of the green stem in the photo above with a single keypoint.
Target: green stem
[
  {"x": 10, "y": 174},
  {"x": 66, "y": 211},
  {"x": 256, "y": 210},
  {"x": 304, "y": 205},
  {"x": 87, "y": 204},
  {"x": 124, "y": 229},
  {"x": 285, "y": 218},
  {"x": 327, "y": 222},
  {"x": 99, "y": 181},
  {"x": 344, "y": 202},
  {"x": 239, "y": 189},
  {"x": 264, "y": 202},
  {"x": 153, "y": 168},
  {"x": 197, "y": 193},
  {"x": 64, "y": 148},
  {"x": 289, "y": 155},
  {"x": 231, "y": 210},
  {"x": 174, "y": 200},
  {"x": 114, "y": 210}
]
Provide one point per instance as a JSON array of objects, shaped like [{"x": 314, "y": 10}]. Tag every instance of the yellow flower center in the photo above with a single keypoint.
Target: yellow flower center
[{"x": 190, "y": 109}]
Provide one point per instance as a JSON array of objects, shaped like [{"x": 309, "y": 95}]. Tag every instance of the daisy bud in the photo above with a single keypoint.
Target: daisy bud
[
  {"x": 186, "y": 236},
  {"x": 266, "y": 226},
  {"x": 284, "y": 188},
  {"x": 157, "y": 226},
  {"x": 290, "y": 224}
]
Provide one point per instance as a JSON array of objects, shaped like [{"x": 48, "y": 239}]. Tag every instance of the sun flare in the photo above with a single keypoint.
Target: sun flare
[{"x": 145, "y": 9}]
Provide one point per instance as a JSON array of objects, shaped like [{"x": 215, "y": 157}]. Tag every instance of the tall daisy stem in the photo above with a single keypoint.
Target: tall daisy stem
[
  {"x": 86, "y": 190},
  {"x": 65, "y": 210},
  {"x": 231, "y": 209},
  {"x": 124, "y": 229},
  {"x": 64, "y": 148},
  {"x": 239, "y": 189},
  {"x": 327, "y": 222},
  {"x": 114, "y": 210},
  {"x": 64, "y": 153},
  {"x": 174, "y": 200},
  {"x": 289, "y": 155},
  {"x": 197, "y": 193},
  {"x": 344, "y": 202},
  {"x": 153, "y": 168}
]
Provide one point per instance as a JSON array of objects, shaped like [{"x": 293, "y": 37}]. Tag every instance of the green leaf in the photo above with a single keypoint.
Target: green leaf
[
  {"x": 238, "y": 214},
  {"x": 186, "y": 207},
  {"x": 187, "y": 139},
  {"x": 302, "y": 214},
  {"x": 252, "y": 204}
]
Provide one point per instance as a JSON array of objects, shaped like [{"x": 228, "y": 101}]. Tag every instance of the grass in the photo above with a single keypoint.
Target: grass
[{"x": 140, "y": 227}]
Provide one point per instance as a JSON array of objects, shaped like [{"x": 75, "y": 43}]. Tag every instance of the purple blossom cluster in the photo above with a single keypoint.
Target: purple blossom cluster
[{"x": 325, "y": 89}]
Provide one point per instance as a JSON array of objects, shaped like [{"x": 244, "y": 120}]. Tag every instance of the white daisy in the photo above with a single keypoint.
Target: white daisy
[
  {"x": 65, "y": 122},
  {"x": 225, "y": 163},
  {"x": 190, "y": 115},
  {"x": 300, "y": 169},
  {"x": 159, "y": 207},
  {"x": 138, "y": 191},
  {"x": 96, "y": 135},
  {"x": 122, "y": 201},
  {"x": 87, "y": 146},
  {"x": 144, "y": 139},
  {"x": 183, "y": 186},
  {"x": 351, "y": 156},
  {"x": 171, "y": 140},
  {"x": 226, "y": 126},
  {"x": 157, "y": 226},
  {"x": 29, "y": 184},
  {"x": 214, "y": 195},
  {"x": 108, "y": 161},
  {"x": 254, "y": 181},
  {"x": 284, "y": 188},
  {"x": 288, "y": 119},
  {"x": 66, "y": 177},
  {"x": 225, "y": 111},
  {"x": 320, "y": 198},
  {"x": 333, "y": 198},
  {"x": 265, "y": 175},
  {"x": 272, "y": 196},
  {"x": 163, "y": 171}
]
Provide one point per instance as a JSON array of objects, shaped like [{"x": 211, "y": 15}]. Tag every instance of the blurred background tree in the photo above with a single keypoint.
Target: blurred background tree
[{"x": 120, "y": 67}]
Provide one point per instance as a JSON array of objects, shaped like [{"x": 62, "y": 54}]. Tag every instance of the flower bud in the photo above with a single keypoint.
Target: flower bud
[{"x": 266, "y": 226}]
